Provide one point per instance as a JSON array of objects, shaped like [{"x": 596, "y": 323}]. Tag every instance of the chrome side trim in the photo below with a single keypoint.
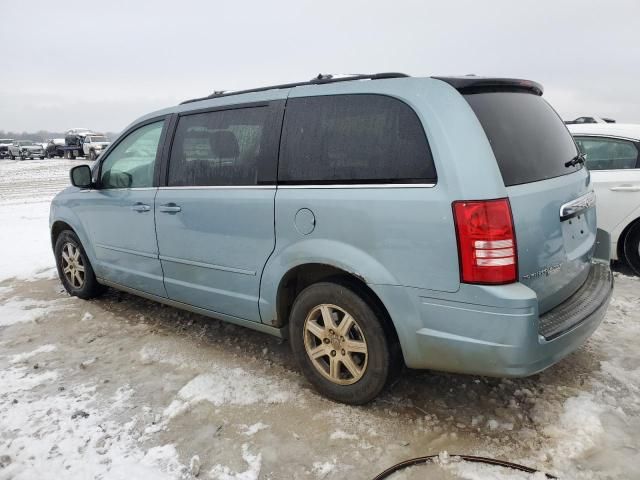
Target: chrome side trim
[
  {"x": 221, "y": 187},
  {"x": 305, "y": 186},
  {"x": 207, "y": 265},
  {"x": 134, "y": 189},
  {"x": 126, "y": 250},
  {"x": 260, "y": 327},
  {"x": 577, "y": 206},
  {"x": 360, "y": 185}
]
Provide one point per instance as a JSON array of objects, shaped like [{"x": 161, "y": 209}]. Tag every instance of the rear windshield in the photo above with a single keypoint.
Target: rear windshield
[{"x": 528, "y": 138}]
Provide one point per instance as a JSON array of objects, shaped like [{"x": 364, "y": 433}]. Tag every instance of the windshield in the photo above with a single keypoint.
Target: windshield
[
  {"x": 26, "y": 143},
  {"x": 528, "y": 138},
  {"x": 99, "y": 139},
  {"x": 6, "y": 140}
]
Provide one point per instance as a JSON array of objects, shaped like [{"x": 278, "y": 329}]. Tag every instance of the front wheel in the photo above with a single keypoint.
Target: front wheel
[
  {"x": 74, "y": 269},
  {"x": 632, "y": 248},
  {"x": 339, "y": 342},
  {"x": 92, "y": 155}
]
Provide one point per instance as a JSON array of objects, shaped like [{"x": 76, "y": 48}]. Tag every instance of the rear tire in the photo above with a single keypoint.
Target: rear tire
[
  {"x": 347, "y": 364},
  {"x": 632, "y": 247},
  {"x": 74, "y": 268}
]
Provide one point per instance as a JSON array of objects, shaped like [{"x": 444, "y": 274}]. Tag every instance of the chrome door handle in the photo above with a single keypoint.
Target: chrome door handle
[
  {"x": 169, "y": 208},
  {"x": 140, "y": 207},
  {"x": 626, "y": 188}
]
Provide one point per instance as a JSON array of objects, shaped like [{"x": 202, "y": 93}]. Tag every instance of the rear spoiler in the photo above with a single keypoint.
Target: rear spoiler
[{"x": 473, "y": 84}]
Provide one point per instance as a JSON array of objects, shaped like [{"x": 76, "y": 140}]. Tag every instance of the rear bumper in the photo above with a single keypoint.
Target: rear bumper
[{"x": 497, "y": 331}]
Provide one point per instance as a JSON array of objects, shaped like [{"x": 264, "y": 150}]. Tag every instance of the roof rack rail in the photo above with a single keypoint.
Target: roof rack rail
[{"x": 318, "y": 80}]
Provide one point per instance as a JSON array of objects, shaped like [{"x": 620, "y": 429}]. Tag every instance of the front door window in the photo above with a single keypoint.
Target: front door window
[{"x": 131, "y": 163}]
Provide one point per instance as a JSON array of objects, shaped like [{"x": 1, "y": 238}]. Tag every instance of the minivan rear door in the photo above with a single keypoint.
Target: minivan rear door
[{"x": 551, "y": 197}]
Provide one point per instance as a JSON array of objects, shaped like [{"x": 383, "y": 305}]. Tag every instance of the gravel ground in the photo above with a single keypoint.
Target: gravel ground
[{"x": 121, "y": 387}]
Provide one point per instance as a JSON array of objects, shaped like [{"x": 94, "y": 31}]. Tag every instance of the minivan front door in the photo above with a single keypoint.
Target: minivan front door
[
  {"x": 121, "y": 217},
  {"x": 215, "y": 217}
]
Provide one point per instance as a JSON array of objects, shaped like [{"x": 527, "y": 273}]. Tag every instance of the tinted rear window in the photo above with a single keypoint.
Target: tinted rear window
[
  {"x": 529, "y": 140},
  {"x": 353, "y": 139}
]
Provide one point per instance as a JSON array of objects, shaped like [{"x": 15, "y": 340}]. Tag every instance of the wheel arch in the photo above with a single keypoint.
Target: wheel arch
[
  {"x": 623, "y": 236},
  {"x": 65, "y": 219},
  {"x": 303, "y": 275},
  {"x": 57, "y": 228}
]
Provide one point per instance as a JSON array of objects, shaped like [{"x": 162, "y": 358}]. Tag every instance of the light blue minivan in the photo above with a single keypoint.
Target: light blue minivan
[{"x": 446, "y": 223}]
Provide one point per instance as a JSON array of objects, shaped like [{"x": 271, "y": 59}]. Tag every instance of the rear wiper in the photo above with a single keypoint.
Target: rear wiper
[{"x": 579, "y": 158}]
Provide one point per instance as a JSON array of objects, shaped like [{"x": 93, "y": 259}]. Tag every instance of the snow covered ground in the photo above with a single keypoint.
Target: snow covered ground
[{"x": 123, "y": 388}]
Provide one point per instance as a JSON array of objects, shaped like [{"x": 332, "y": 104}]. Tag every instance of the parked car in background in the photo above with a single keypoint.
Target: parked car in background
[
  {"x": 4, "y": 146},
  {"x": 581, "y": 120},
  {"x": 54, "y": 148},
  {"x": 445, "y": 222},
  {"x": 26, "y": 149},
  {"x": 93, "y": 145},
  {"x": 612, "y": 156},
  {"x": 75, "y": 136}
]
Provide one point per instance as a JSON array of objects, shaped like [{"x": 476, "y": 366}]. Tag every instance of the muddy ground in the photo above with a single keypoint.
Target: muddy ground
[{"x": 122, "y": 387}]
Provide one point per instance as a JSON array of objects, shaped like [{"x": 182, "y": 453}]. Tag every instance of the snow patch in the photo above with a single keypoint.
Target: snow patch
[
  {"x": 151, "y": 354},
  {"x": 16, "y": 379},
  {"x": 254, "y": 464},
  {"x": 251, "y": 430},
  {"x": 72, "y": 435},
  {"x": 342, "y": 435},
  {"x": 233, "y": 386},
  {"x": 21, "y": 357},
  {"x": 322, "y": 469},
  {"x": 19, "y": 311},
  {"x": 25, "y": 234}
]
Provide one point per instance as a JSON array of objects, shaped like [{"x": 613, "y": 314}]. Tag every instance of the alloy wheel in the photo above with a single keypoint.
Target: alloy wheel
[
  {"x": 72, "y": 265},
  {"x": 335, "y": 344}
]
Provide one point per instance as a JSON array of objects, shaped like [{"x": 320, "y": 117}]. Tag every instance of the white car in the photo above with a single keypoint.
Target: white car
[
  {"x": 612, "y": 156},
  {"x": 93, "y": 145}
]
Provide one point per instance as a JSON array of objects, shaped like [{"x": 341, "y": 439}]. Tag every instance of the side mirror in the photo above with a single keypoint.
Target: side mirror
[{"x": 81, "y": 176}]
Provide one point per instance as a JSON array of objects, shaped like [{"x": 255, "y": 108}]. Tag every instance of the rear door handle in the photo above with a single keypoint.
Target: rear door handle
[
  {"x": 169, "y": 208},
  {"x": 625, "y": 188},
  {"x": 140, "y": 207}
]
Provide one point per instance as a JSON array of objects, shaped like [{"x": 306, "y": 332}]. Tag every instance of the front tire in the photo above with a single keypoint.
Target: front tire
[
  {"x": 92, "y": 155},
  {"x": 339, "y": 342},
  {"x": 632, "y": 248},
  {"x": 74, "y": 269}
]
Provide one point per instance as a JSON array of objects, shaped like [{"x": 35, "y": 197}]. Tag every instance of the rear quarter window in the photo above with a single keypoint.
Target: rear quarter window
[
  {"x": 353, "y": 139},
  {"x": 528, "y": 138}
]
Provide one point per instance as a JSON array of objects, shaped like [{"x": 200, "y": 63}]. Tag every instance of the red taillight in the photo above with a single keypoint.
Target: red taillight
[{"x": 486, "y": 241}]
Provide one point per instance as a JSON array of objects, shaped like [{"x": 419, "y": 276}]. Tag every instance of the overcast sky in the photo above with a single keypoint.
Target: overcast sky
[{"x": 102, "y": 64}]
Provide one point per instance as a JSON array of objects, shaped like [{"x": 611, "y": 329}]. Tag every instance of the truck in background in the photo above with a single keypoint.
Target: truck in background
[
  {"x": 5, "y": 143},
  {"x": 82, "y": 142}
]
